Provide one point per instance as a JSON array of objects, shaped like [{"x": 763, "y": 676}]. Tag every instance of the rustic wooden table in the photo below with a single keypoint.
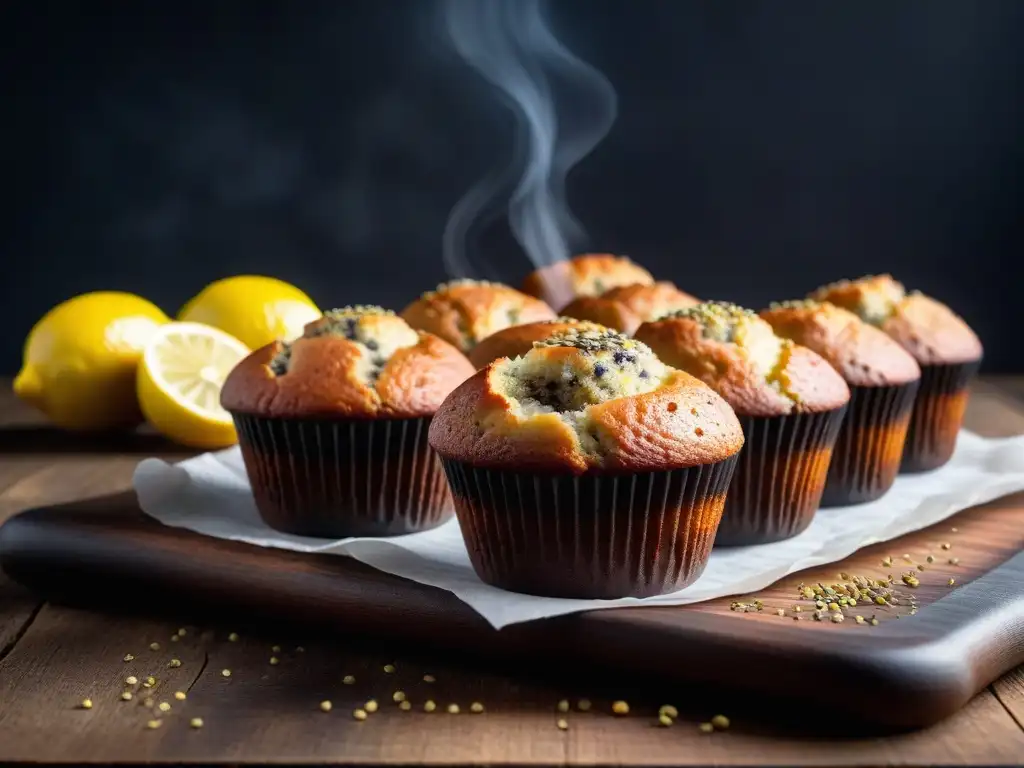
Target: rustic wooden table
[{"x": 258, "y": 694}]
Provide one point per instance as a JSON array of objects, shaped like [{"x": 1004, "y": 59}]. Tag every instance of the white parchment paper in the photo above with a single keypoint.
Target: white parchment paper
[{"x": 210, "y": 495}]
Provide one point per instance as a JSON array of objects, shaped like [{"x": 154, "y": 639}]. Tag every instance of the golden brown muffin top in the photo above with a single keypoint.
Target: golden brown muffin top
[
  {"x": 864, "y": 355},
  {"x": 624, "y": 308},
  {"x": 737, "y": 354},
  {"x": 518, "y": 339},
  {"x": 359, "y": 362},
  {"x": 585, "y": 401},
  {"x": 464, "y": 312},
  {"x": 589, "y": 274},
  {"x": 926, "y": 328}
]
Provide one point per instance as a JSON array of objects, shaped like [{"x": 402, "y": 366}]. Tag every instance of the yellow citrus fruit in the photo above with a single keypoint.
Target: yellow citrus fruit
[
  {"x": 180, "y": 377},
  {"x": 255, "y": 310},
  {"x": 80, "y": 360}
]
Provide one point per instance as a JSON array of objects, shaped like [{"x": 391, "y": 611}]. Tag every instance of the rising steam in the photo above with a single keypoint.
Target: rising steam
[{"x": 563, "y": 108}]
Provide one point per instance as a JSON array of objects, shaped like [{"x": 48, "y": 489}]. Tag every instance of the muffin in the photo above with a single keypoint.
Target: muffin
[
  {"x": 518, "y": 339},
  {"x": 945, "y": 347},
  {"x": 464, "y": 312},
  {"x": 626, "y": 307},
  {"x": 883, "y": 379},
  {"x": 590, "y": 274},
  {"x": 333, "y": 426},
  {"x": 586, "y": 468},
  {"x": 790, "y": 403}
]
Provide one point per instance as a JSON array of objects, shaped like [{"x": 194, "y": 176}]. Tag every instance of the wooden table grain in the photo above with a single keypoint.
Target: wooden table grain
[{"x": 259, "y": 694}]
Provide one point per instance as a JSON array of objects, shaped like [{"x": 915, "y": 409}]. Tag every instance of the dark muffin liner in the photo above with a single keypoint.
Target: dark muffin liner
[
  {"x": 596, "y": 537},
  {"x": 938, "y": 415},
  {"x": 866, "y": 458},
  {"x": 779, "y": 478},
  {"x": 333, "y": 479}
]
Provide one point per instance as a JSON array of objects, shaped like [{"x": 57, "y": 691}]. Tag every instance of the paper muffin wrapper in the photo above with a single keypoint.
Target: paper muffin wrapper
[
  {"x": 867, "y": 455},
  {"x": 779, "y": 478},
  {"x": 591, "y": 537},
  {"x": 938, "y": 415},
  {"x": 338, "y": 478}
]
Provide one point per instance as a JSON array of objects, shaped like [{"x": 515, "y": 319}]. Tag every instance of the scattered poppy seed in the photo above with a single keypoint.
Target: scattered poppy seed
[
  {"x": 952, "y": 582},
  {"x": 887, "y": 562},
  {"x": 325, "y": 706},
  {"x": 149, "y": 682},
  {"x": 174, "y": 638},
  {"x": 562, "y": 706},
  {"x": 180, "y": 695},
  {"x": 562, "y": 724},
  {"x": 348, "y": 679},
  {"x": 930, "y": 558},
  {"x": 128, "y": 657},
  {"x": 706, "y": 727},
  {"x": 453, "y": 709},
  {"x": 947, "y": 545},
  {"x": 233, "y": 637},
  {"x": 664, "y": 720},
  {"x": 86, "y": 704},
  {"x": 273, "y": 661},
  {"x": 182, "y": 632},
  {"x": 154, "y": 646},
  {"x": 371, "y": 705},
  {"x": 163, "y": 706},
  {"x": 196, "y": 722},
  {"x": 954, "y": 561},
  {"x": 359, "y": 714},
  {"x": 780, "y": 612},
  {"x": 583, "y": 705},
  {"x": 389, "y": 668},
  {"x": 721, "y": 722},
  {"x": 429, "y": 706},
  {"x": 174, "y": 663},
  {"x": 131, "y": 680},
  {"x": 226, "y": 672},
  {"x": 620, "y": 708},
  {"x": 668, "y": 709},
  {"x": 398, "y": 696},
  {"x": 405, "y": 706},
  {"x": 954, "y": 530},
  {"x": 126, "y": 696},
  {"x": 275, "y": 649},
  {"x": 476, "y": 707},
  {"x": 920, "y": 566},
  {"x": 429, "y": 678},
  {"x": 874, "y": 622},
  {"x": 153, "y": 725}
]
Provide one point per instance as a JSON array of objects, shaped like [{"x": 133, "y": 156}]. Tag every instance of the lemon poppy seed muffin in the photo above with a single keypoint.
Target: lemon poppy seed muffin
[
  {"x": 790, "y": 403},
  {"x": 589, "y": 274},
  {"x": 517, "y": 340},
  {"x": 942, "y": 343},
  {"x": 624, "y": 308},
  {"x": 464, "y": 312},
  {"x": 333, "y": 426},
  {"x": 587, "y": 468},
  {"x": 883, "y": 380}
]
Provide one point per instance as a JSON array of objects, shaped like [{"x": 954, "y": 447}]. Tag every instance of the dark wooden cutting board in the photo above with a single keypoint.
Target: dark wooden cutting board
[{"x": 906, "y": 672}]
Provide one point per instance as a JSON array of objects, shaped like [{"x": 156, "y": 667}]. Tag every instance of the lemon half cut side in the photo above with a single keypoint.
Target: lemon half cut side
[{"x": 183, "y": 368}]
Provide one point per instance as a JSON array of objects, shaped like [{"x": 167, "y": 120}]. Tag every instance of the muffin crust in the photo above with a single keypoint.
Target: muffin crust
[
  {"x": 737, "y": 354},
  {"x": 585, "y": 401},
  {"x": 464, "y": 312},
  {"x": 624, "y": 308},
  {"x": 589, "y": 274},
  {"x": 864, "y": 355},
  {"x": 517, "y": 340},
  {"x": 926, "y": 328},
  {"x": 355, "y": 362}
]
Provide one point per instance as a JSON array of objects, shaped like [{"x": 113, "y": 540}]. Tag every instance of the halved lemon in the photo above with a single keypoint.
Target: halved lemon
[{"x": 183, "y": 368}]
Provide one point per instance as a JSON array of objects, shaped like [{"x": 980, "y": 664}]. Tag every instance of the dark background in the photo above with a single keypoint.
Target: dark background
[{"x": 761, "y": 149}]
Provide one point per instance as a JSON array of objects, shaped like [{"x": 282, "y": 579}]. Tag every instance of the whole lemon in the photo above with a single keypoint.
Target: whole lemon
[
  {"x": 80, "y": 360},
  {"x": 255, "y": 310}
]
